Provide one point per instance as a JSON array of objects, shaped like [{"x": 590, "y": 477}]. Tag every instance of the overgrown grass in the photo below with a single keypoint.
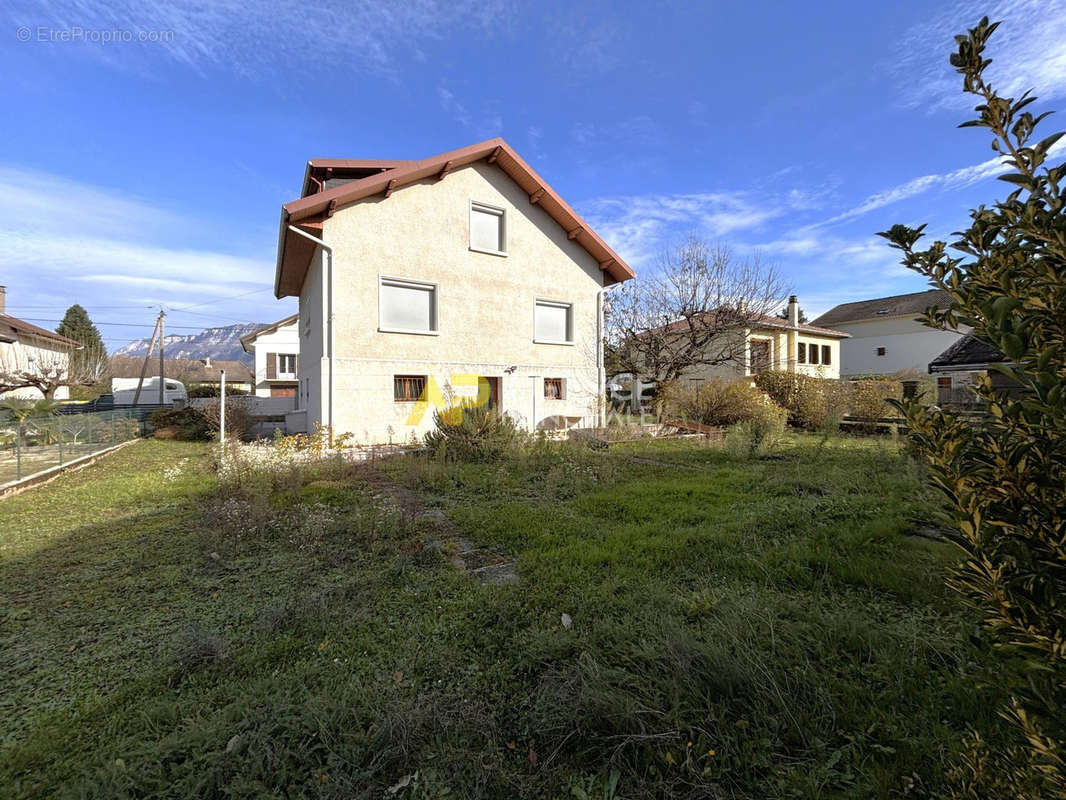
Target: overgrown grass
[{"x": 740, "y": 628}]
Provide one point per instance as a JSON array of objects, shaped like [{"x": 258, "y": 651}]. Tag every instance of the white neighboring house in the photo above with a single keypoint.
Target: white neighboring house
[
  {"x": 26, "y": 350},
  {"x": 887, "y": 334},
  {"x": 276, "y": 349},
  {"x": 423, "y": 284}
]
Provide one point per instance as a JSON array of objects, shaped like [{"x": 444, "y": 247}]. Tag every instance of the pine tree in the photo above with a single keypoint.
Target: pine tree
[{"x": 91, "y": 361}]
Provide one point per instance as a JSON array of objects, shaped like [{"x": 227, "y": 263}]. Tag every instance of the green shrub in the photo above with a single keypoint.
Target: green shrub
[
  {"x": 759, "y": 435},
  {"x": 870, "y": 398},
  {"x": 473, "y": 434},
  {"x": 212, "y": 390},
  {"x": 715, "y": 402},
  {"x": 187, "y": 424},
  {"x": 1003, "y": 479},
  {"x": 809, "y": 401}
]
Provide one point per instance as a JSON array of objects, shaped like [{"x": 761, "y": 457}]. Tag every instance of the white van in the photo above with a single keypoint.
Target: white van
[{"x": 124, "y": 390}]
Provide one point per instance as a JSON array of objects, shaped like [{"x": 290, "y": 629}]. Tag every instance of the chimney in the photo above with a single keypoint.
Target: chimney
[
  {"x": 3, "y": 299},
  {"x": 793, "y": 311},
  {"x": 207, "y": 362}
]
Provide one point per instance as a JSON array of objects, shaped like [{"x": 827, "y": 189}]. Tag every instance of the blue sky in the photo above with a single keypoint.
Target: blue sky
[{"x": 137, "y": 174}]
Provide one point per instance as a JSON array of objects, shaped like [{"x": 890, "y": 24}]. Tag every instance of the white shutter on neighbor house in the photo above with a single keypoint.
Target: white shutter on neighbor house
[
  {"x": 487, "y": 228},
  {"x": 552, "y": 322},
  {"x": 408, "y": 306}
]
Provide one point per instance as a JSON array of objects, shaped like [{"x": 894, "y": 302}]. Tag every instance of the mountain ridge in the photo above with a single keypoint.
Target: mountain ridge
[{"x": 222, "y": 343}]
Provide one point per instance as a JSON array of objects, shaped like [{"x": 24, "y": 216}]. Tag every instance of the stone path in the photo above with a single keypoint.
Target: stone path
[{"x": 443, "y": 535}]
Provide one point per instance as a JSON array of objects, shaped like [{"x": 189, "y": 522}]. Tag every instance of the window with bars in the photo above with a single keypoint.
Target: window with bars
[
  {"x": 553, "y": 388},
  {"x": 407, "y": 388}
]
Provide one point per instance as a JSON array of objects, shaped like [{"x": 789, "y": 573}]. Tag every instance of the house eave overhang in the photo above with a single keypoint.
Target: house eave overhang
[{"x": 310, "y": 212}]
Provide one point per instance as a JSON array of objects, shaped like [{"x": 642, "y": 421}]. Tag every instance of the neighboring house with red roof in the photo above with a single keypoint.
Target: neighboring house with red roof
[
  {"x": 28, "y": 354},
  {"x": 888, "y": 335},
  {"x": 424, "y": 282},
  {"x": 759, "y": 342},
  {"x": 276, "y": 349}
]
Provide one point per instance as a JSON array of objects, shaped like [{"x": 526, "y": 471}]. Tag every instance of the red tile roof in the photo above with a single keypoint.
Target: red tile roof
[
  {"x": 12, "y": 328},
  {"x": 295, "y": 252}
]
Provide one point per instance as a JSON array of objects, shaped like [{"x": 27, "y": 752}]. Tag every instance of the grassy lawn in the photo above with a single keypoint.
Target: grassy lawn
[{"x": 740, "y": 628}]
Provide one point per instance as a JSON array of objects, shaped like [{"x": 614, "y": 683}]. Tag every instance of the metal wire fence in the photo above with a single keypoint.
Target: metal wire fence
[{"x": 34, "y": 444}]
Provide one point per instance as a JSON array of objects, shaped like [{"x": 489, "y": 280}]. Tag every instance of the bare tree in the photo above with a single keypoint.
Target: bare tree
[
  {"x": 24, "y": 365},
  {"x": 691, "y": 312}
]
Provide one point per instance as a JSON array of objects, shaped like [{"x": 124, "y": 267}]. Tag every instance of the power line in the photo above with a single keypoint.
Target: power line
[
  {"x": 123, "y": 324},
  {"x": 219, "y": 300}
]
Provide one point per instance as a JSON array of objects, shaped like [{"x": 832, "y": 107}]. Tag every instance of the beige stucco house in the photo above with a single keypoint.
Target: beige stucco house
[
  {"x": 422, "y": 284},
  {"x": 760, "y": 342}
]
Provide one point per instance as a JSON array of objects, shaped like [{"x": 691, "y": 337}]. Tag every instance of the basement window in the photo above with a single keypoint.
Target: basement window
[
  {"x": 553, "y": 388},
  {"x": 408, "y": 388},
  {"x": 488, "y": 229}
]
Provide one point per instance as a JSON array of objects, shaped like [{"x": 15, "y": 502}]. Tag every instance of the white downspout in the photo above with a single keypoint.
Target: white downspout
[
  {"x": 327, "y": 303},
  {"x": 601, "y": 378}
]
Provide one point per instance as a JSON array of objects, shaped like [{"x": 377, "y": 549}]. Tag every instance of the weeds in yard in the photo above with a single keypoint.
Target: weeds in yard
[{"x": 739, "y": 628}]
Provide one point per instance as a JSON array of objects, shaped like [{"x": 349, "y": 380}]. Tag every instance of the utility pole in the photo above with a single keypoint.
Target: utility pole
[
  {"x": 162, "y": 377},
  {"x": 148, "y": 356}
]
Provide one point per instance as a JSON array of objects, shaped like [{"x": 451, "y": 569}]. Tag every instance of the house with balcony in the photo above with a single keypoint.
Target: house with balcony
[
  {"x": 461, "y": 278},
  {"x": 276, "y": 350}
]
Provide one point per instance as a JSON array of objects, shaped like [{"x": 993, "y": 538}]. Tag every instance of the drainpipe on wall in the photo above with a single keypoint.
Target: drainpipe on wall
[
  {"x": 327, "y": 308},
  {"x": 793, "y": 328},
  {"x": 601, "y": 378}
]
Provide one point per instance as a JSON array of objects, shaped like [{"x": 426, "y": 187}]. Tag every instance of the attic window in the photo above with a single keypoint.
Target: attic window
[{"x": 488, "y": 229}]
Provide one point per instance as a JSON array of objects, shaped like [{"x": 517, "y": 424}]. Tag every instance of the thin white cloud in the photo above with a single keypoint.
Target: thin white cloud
[
  {"x": 268, "y": 35},
  {"x": 640, "y": 226},
  {"x": 956, "y": 179},
  {"x": 1028, "y": 51},
  {"x": 65, "y": 241}
]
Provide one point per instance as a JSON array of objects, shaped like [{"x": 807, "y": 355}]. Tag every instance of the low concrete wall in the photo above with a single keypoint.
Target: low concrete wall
[{"x": 46, "y": 475}]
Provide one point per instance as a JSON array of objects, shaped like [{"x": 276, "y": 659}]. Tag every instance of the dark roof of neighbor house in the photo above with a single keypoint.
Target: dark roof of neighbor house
[
  {"x": 11, "y": 328},
  {"x": 182, "y": 369},
  {"x": 309, "y": 212},
  {"x": 765, "y": 321},
  {"x": 248, "y": 338},
  {"x": 896, "y": 306},
  {"x": 969, "y": 351}
]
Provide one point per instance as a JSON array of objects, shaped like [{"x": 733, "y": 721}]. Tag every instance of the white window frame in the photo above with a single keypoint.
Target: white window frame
[
  {"x": 411, "y": 284},
  {"x": 477, "y": 205},
  {"x": 547, "y": 301},
  {"x": 288, "y": 375}
]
